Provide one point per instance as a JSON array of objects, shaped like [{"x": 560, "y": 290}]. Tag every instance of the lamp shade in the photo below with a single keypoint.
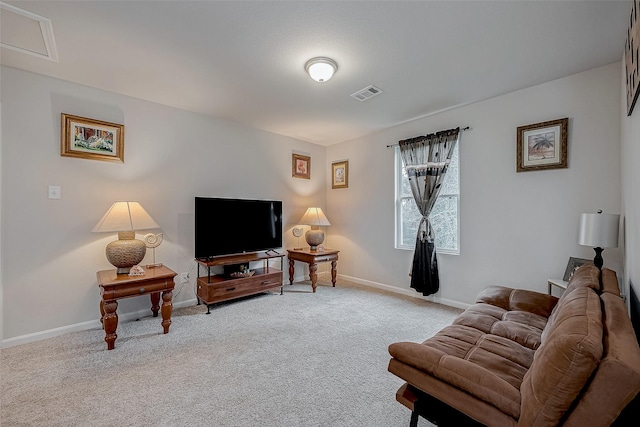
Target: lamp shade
[
  {"x": 125, "y": 216},
  {"x": 314, "y": 216},
  {"x": 599, "y": 230}
]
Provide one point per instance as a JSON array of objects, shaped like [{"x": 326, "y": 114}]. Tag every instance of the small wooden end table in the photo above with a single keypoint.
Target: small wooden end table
[
  {"x": 558, "y": 283},
  {"x": 313, "y": 258},
  {"x": 116, "y": 286}
]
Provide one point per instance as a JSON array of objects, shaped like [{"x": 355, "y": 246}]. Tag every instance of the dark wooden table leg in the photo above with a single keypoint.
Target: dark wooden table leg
[
  {"x": 110, "y": 323},
  {"x": 334, "y": 272},
  {"x": 155, "y": 303},
  {"x": 291, "y": 270},
  {"x": 167, "y": 308},
  {"x": 102, "y": 312},
  {"x": 313, "y": 275}
]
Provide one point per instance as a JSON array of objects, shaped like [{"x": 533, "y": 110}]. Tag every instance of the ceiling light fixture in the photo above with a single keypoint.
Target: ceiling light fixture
[{"x": 321, "y": 69}]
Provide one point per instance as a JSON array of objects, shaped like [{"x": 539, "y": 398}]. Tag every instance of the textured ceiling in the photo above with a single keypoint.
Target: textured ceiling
[{"x": 244, "y": 61}]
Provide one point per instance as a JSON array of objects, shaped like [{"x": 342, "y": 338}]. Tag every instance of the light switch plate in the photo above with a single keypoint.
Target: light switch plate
[{"x": 55, "y": 192}]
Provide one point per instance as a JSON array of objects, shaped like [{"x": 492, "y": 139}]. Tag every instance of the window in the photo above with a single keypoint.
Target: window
[{"x": 444, "y": 216}]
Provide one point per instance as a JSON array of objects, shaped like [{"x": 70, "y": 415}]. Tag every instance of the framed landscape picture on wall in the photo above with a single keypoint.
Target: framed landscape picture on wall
[
  {"x": 91, "y": 139},
  {"x": 542, "y": 146}
]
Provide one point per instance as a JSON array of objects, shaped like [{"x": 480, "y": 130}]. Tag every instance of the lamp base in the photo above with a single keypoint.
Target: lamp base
[
  {"x": 314, "y": 238},
  {"x": 598, "y": 261},
  {"x": 125, "y": 252}
]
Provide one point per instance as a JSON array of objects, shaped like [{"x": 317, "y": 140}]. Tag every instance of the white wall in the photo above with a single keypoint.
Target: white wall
[
  {"x": 630, "y": 156},
  {"x": 1, "y": 285},
  {"x": 517, "y": 229},
  {"x": 50, "y": 257}
]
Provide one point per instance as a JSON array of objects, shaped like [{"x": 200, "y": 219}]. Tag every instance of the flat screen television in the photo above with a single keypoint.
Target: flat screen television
[{"x": 236, "y": 226}]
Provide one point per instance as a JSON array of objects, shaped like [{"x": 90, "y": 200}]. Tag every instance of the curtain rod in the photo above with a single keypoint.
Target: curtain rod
[{"x": 462, "y": 129}]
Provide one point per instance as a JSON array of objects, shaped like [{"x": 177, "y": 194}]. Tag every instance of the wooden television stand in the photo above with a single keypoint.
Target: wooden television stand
[{"x": 212, "y": 289}]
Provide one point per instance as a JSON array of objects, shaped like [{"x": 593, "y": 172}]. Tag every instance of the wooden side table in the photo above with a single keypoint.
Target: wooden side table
[
  {"x": 558, "y": 283},
  {"x": 313, "y": 258},
  {"x": 116, "y": 286}
]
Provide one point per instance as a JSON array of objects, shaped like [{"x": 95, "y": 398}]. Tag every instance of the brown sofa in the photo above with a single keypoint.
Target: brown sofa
[{"x": 518, "y": 357}]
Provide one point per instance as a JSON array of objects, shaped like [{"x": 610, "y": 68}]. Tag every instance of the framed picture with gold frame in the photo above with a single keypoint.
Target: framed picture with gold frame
[
  {"x": 542, "y": 145},
  {"x": 91, "y": 139},
  {"x": 301, "y": 166},
  {"x": 340, "y": 174}
]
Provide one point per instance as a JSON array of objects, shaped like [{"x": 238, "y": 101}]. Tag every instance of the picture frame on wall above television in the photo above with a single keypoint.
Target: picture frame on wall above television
[
  {"x": 340, "y": 174},
  {"x": 300, "y": 166}
]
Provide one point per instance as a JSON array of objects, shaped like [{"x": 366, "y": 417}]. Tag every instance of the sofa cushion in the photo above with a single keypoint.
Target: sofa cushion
[
  {"x": 475, "y": 408},
  {"x": 462, "y": 342},
  {"x": 523, "y": 327},
  {"x": 488, "y": 367},
  {"x": 518, "y": 299},
  {"x": 570, "y": 351}
]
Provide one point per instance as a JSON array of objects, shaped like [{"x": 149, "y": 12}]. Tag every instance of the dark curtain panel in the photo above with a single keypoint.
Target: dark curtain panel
[{"x": 426, "y": 159}]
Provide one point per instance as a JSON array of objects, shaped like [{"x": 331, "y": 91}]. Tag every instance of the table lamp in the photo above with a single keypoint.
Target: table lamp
[
  {"x": 125, "y": 218},
  {"x": 315, "y": 218},
  {"x": 599, "y": 231}
]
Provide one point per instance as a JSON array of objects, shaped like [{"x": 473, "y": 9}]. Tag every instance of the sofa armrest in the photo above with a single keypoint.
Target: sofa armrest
[{"x": 518, "y": 299}]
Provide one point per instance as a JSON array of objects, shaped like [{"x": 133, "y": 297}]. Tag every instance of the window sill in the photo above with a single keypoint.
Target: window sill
[{"x": 438, "y": 251}]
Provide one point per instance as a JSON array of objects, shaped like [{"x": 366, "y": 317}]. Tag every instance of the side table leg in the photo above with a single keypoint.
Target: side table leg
[
  {"x": 102, "y": 312},
  {"x": 313, "y": 275},
  {"x": 334, "y": 272},
  {"x": 291, "y": 271},
  {"x": 110, "y": 323},
  {"x": 167, "y": 308},
  {"x": 155, "y": 303}
]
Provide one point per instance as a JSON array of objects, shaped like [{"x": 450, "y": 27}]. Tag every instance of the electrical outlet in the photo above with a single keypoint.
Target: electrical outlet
[{"x": 184, "y": 277}]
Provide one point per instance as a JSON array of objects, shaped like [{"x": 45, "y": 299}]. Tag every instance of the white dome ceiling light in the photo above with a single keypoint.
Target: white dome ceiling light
[{"x": 321, "y": 69}]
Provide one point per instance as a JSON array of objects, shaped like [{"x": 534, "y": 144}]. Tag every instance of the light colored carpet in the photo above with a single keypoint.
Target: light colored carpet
[{"x": 300, "y": 359}]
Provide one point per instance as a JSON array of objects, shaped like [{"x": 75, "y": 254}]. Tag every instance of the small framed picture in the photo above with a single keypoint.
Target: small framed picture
[
  {"x": 91, "y": 139},
  {"x": 542, "y": 146},
  {"x": 572, "y": 265},
  {"x": 301, "y": 166},
  {"x": 340, "y": 174}
]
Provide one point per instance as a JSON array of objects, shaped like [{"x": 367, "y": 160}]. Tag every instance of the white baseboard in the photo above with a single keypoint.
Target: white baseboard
[
  {"x": 124, "y": 317},
  {"x": 83, "y": 326},
  {"x": 407, "y": 292}
]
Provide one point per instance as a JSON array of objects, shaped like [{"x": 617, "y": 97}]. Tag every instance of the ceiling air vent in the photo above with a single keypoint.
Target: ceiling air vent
[
  {"x": 366, "y": 93},
  {"x": 27, "y": 32}
]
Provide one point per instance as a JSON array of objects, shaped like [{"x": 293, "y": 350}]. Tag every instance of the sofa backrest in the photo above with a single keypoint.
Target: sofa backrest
[
  {"x": 617, "y": 379},
  {"x": 571, "y": 348},
  {"x": 587, "y": 275},
  {"x": 610, "y": 282}
]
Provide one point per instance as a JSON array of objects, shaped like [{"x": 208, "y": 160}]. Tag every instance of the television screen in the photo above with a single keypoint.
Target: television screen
[{"x": 235, "y": 226}]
